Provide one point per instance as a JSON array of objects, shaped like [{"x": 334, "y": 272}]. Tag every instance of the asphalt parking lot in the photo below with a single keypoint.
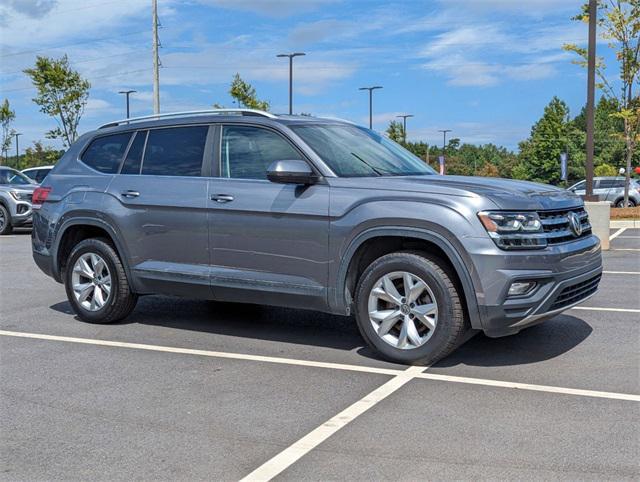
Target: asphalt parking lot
[{"x": 193, "y": 390}]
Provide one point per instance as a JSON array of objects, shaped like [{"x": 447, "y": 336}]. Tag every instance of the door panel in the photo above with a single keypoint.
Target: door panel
[
  {"x": 163, "y": 218},
  {"x": 270, "y": 237},
  {"x": 269, "y": 241}
]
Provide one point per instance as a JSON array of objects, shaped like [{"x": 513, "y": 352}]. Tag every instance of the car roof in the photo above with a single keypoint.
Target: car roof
[{"x": 246, "y": 116}]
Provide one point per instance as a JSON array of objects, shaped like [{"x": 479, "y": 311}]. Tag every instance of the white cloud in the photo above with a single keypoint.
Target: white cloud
[{"x": 270, "y": 8}]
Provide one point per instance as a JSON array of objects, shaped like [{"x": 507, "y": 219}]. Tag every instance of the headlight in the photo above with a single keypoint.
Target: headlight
[
  {"x": 21, "y": 195},
  {"x": 512, "y": 230}
]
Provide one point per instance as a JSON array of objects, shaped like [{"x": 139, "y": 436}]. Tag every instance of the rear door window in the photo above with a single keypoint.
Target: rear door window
[
  {"x": 105, "y": 153},
  {"x": 175, "y": 151}
]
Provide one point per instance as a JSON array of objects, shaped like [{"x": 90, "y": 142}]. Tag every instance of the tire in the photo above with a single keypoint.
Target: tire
[
  {"x": 5, "y": 221},
  {"x": 118, "y": 303},
  {"x": 450, "y": 327},
  {"x": 620, "y": 203}
]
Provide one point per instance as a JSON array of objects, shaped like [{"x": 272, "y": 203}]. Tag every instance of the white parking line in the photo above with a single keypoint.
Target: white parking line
[
  {"x": 624, "y": 249},
  {"x": 617, "y": 233},
  {"x": 295, "y": 452},
  {"x": 618, "y": 310},
  {"x": 527, "y": 386},
  {"x": 334, "y": 366},
  {"x": 214, "y": 354},
  {"x": 621, "y": 272}
]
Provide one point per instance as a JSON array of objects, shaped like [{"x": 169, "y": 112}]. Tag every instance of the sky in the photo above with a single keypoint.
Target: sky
[{"x": 483, "y": 68}]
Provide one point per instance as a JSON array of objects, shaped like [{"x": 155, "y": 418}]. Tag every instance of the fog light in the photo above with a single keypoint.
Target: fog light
[{"x": 520, "y": 288}]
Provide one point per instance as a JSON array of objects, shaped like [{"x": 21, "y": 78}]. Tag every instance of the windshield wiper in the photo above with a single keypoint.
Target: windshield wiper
[{"x": 377, "y": 171}]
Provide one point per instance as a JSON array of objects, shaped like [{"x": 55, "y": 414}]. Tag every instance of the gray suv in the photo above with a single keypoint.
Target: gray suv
[
  {"x": 246, "y": 206},
  {"x": 16, "y": 190}
]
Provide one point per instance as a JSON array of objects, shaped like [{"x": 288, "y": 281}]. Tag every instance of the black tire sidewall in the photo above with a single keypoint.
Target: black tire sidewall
[
  {"x": 107, "y": 254},
  {"x": 7, "y": 228},
  {"x": 428, "y": 272}
]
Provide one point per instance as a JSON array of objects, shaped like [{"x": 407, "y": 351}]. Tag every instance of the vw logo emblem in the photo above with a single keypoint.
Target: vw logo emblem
[{"x": 575, "y": 224}]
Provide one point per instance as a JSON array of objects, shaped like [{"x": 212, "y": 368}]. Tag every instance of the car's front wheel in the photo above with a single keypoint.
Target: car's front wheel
[
  {"x": 408, "y": 308},
  {"x": 96, "y": 283}
]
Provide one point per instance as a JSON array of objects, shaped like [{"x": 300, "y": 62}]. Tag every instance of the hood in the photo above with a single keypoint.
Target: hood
[
  {"x": 504, "y": 193},
  {"x": 20, "y": 187}
]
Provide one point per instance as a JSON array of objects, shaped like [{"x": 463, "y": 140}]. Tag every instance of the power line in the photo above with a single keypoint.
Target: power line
[{"x": 25, "y": 52}]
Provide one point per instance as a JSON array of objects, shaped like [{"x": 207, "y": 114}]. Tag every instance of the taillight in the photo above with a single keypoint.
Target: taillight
[{"x": 40, "y": 195}]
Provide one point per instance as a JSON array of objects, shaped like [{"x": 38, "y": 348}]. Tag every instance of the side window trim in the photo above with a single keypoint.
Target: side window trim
[
  {"x": 126, "y": 151},
  {"x": 219, "y": 169}
]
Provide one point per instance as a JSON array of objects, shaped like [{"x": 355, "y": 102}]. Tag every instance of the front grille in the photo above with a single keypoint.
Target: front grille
[
  {"x": 556, "y": 225},
  {"x": 574, "y": 293}
]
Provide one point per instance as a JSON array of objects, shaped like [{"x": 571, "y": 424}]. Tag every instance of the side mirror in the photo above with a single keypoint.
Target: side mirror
[{"x": 291, "y": 172}]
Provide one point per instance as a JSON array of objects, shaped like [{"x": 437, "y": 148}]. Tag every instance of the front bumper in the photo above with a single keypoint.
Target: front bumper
[
  {"x": 21, "y": 214},
  {"x": 564, "y": 276}
]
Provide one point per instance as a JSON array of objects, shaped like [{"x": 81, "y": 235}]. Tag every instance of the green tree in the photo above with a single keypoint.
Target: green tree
[
  {"x": 619, "y": 22},
  {"x": 40, "y": 155},
  {"x": 62, "y": 94},
  {"x": 395, "y": 131},
  {"x": 245, "y": 94},
  {"x": 7, "y": 116},
  {"x": 539, "y": 158}
]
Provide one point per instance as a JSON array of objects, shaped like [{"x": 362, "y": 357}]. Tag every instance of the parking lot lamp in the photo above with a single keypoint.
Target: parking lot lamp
[
  {"x": 371, "y": 89},
  {"x": 291, "y": 56}
]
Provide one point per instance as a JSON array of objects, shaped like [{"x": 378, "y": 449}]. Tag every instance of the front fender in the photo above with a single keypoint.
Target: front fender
[{"x": 432, "y": 233}]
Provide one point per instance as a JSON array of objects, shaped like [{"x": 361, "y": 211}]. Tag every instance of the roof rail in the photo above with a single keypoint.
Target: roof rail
[{"x": 242, "y": 112}]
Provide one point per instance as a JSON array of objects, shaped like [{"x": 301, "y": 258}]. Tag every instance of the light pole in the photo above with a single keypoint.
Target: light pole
[
  {"x": 591, "y": 82},
  {"x": 371, "y": 89},
  {"x": 444, "y": 146},
  {"x": 291, "y": 56},
  {"x": 404, "y": 125},
  {"x": 127, "y": 93},
  {"x": 17, "y": 134}
]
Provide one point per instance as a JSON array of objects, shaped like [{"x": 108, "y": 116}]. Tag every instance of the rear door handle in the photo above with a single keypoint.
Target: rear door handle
[
  {"x": 222, "y": 198},
  {"x": 129, "y": 193}
]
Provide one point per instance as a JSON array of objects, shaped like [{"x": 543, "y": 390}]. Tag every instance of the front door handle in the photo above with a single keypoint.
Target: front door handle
[
  {"x": 129, "y": 193},
  {"x": 222, "y": 198}
]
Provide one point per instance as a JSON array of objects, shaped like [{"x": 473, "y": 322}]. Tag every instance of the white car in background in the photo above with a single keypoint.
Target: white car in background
[{"x": 37, "y": 173}]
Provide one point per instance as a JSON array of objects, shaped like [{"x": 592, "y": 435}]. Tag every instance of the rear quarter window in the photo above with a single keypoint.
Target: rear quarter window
[{"x": 105, "y": 153}]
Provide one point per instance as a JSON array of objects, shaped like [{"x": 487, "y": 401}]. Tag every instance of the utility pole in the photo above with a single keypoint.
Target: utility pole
[
  {"x": 291, "y": 56},
  {"x": 17, "y": 134},
  {"x": 156, "y": 60},
  {"x": 404, "y": 126},
  {"x": 127, "y": 93},
  {"x": 444, "y": 147},
  {"x": 591, "y": 82},
  {"x": 371, "y": 89}
]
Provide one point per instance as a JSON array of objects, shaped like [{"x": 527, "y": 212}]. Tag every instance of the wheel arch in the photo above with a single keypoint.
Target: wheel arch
[
  {"x": 77, "y": 229},
  {"x": 373, "y": 243}
]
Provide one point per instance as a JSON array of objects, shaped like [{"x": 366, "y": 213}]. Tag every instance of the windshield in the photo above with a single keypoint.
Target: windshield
[
  {"x": 11, "y": 176},
  {"x": 352, "y": 151}
]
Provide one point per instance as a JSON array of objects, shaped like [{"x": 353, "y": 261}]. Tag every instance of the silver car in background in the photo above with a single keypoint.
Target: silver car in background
[
  {"x": 16, "y": 191},
  {"x": 611, "y": 189}
]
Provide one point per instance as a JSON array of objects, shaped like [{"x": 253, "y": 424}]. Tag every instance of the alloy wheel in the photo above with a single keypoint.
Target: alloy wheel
[
  {"x": 403, "y": 310},
  {"x": 91, "y": 281}
]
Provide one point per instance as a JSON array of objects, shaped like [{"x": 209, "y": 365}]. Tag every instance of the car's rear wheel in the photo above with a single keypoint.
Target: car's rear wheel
[
  {"x": 5, "y": 221},
  {"x": 408, "y": 308},
  {"x": 620, "y": 203},
  {"x": 96, "y": 283}
]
